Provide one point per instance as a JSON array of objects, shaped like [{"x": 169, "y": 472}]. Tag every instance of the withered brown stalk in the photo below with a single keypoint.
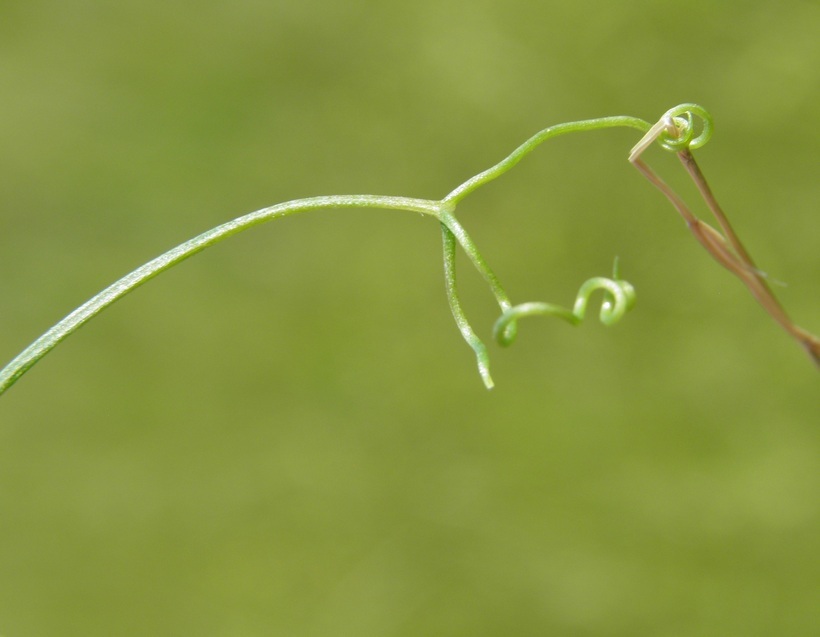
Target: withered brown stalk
[{"x": 726, "y": 248}]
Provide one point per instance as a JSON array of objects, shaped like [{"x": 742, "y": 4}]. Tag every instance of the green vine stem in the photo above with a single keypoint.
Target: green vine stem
[
  {"x": 48, "y": 341},
  {"x": 618, "y": 121},
  {"x": 467, "y": 332},
  {"x": 674, "y": 132}
]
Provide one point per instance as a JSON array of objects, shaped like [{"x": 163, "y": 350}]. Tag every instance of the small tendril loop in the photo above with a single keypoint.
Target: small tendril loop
[
  {"x": 619, "y": 298},
  {"x": 678, "y": 133}
]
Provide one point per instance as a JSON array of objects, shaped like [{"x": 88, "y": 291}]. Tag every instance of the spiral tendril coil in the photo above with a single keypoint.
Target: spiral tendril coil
[{"x": 619, "y": 298}]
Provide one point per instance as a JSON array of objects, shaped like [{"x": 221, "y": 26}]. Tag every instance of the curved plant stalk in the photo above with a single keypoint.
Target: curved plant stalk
[
  {"x": 48, "y": 341},
  {"x": 674, "y": 132},
  {"x": 481, "y": 354},
  {"x": 618, "y": 121}
]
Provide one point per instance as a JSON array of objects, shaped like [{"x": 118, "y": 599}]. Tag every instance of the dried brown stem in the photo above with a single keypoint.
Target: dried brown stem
[
  {"x": 726, "y": 248},
  {"x": 688, "y": 161}
]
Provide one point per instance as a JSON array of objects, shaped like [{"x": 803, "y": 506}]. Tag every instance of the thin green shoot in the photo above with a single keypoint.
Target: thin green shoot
[{"x": 675, "y": 132}]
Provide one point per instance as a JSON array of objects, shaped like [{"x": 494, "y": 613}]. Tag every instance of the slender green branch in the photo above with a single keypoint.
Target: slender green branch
[
  {"x": 456, "y": 229},
  {"x": 618, "y": 121},
  {"x": 442, "y": 210},
  {"x": 39, "y": 348},
  {"x": 482, "y": 357}
]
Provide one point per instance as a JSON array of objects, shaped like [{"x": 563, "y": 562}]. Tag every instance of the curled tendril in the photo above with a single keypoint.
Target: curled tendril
[
  {"x": 619, "y": 298},
  {"x": 678, "y": 132}
]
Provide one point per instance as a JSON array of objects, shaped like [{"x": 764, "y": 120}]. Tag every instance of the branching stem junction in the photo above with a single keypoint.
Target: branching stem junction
[{"x": 675, "y": 131}]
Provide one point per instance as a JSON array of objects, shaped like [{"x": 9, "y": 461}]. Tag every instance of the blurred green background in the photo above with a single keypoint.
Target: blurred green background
[{"x": 287, "y": 436}]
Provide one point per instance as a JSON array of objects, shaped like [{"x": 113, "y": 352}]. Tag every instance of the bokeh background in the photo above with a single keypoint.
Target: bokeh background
[{"x": 286, "y": 435}]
